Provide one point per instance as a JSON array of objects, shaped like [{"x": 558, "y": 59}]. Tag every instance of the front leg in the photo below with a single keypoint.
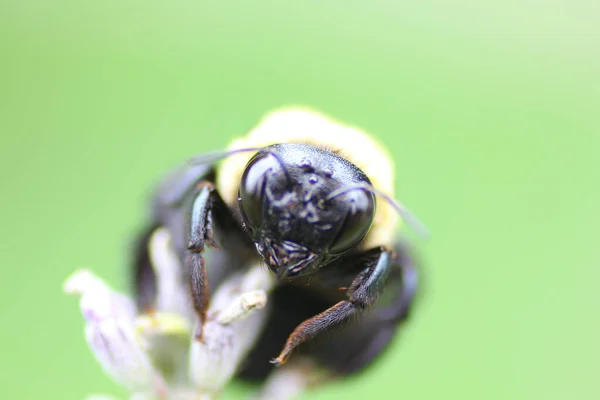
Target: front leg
[
  {"x": 363, "y": 293},
  {"x": 205, "y": 202}
]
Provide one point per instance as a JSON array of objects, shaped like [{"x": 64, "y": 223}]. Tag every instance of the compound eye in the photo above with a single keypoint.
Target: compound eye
[
  {"x": 355, "y": 226},
  {"x": 252, "y": 193}
]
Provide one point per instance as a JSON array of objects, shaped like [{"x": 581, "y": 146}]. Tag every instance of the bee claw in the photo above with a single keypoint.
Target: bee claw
[
  {"x": 278, "y": 362},
  {"x": 199, "y": 334}
]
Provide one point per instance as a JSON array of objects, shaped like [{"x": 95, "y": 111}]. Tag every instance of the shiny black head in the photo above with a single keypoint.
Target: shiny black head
[{"x": 293, "y": 200}]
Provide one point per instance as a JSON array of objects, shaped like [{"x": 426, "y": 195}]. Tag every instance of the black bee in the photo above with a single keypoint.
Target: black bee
[{"x": 311, "y": 199}]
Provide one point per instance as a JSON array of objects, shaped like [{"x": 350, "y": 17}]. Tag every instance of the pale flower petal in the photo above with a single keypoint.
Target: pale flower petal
[
  {"x": 242, "y": 306},
  {"x": 214, "y": 361},
  {"x": 167, "y": 337},
  {"x": 292, "y": 380},
  {"x": 155, "y": 355},
  {"x": 100, "y": 397},
  {"x": 172, "y": 290},
  {"x": 111, "y": 333}
]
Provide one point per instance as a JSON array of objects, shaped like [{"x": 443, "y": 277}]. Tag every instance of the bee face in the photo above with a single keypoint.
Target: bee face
[{"x": 292, "y": 199}]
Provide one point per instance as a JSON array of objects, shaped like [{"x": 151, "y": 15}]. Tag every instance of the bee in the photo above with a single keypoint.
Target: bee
[{"x": 311, "y": 199}]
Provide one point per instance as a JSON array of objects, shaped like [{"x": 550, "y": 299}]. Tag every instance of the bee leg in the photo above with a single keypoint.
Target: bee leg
[
  {"x": 355, "y": 349},
  {"x": 363, "y": 292},
  {"x": 201, "y": 234},
  {"x": 168, "y": 197}
]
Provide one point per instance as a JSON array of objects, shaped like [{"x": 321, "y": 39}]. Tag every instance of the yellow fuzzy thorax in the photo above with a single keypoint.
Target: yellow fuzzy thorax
[{"x": 302, "y": 125}]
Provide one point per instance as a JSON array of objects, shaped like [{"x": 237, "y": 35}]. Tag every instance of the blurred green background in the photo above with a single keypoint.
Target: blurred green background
[{"x": 492, "y": 109}]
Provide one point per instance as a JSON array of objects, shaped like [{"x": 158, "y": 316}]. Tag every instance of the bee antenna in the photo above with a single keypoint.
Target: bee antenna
[
  {"x": 281, "y": 163},
  {"x": 406, "y": 215},
  {"x": 209, "y": 158}
]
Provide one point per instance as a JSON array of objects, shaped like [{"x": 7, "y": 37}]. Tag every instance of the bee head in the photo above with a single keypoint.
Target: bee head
[{"x": 294, "y": 202}]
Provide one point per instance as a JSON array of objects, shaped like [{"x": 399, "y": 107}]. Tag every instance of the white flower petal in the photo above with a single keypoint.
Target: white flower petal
[
  {"x": 111, "y": 333},
  {"x": 145, "y": 352},
  {"x": 291, "y": 380},
  {"x": 100, "y": 397},
  {"x": 242, "y": 306},
  {"x": 163, "y": 324},
  {"x": 168, "y": 337},
  {"x": 116, "y": 347},
  {"x": 81, "y": 281},
  {"x": 168, "y": 330},
  {"x": 258, "y": 278},
  {"x": 172, "y": 290},
  {"x": 214, "y": 361},
  {"x": 98, "y": 301}
]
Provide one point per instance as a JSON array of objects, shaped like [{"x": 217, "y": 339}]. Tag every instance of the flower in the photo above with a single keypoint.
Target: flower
[{"x": 154, "y": 355}]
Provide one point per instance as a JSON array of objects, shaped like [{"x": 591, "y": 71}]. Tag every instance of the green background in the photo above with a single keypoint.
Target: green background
[{"x": 491, "y": 108}]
